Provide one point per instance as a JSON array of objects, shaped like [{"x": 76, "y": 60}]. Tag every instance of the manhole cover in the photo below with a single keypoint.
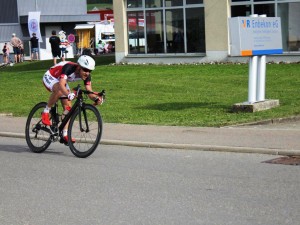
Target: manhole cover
[{"x": 286, "y": 160}]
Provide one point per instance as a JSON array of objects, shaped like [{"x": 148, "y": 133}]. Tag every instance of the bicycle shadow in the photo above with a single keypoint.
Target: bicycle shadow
[
  {"x": 13, "y": 148},
  {"x": 25, "y": 149}
]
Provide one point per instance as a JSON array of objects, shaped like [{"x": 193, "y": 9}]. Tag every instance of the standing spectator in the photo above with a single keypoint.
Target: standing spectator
[
  {"x": 5, "y": 51},
  {"x": 16, "y": 43},
  {"x": 34, "y": 47},
  {"x": 21, "y": 52},
  {"x": 55, "y": 42}
]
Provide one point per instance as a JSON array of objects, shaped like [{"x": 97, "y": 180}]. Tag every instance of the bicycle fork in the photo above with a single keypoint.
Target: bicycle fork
[{"x": 85, "y": 121}]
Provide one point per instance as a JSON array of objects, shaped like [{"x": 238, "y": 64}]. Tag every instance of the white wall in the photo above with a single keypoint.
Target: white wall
[{"x": 45, "y": 53}]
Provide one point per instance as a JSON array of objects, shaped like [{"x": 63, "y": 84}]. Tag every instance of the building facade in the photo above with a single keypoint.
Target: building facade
[
  {"x": 55, "y": 15},
  {"x": 195, "y": 31}
]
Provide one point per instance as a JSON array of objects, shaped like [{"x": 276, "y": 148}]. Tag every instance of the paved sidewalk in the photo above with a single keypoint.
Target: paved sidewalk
[{"x": 278, "y": 138}]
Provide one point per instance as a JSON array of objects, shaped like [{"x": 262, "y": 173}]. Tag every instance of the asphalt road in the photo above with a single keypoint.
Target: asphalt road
[{"x": 121, "y": 185}]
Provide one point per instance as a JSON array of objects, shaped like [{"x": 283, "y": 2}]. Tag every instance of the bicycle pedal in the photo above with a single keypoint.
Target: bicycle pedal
[{"x": 62, "y": 141}]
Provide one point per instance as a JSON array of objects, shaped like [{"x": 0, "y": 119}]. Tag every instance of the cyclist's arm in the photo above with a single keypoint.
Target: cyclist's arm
[
  {"x": 97, "y": 99},
  {"x": 62, "y": 85},
  {"x": 66, "y": 70}
]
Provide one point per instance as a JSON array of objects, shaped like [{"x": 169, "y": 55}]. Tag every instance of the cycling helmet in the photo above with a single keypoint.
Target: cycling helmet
[{"x": 87, "y": 62}]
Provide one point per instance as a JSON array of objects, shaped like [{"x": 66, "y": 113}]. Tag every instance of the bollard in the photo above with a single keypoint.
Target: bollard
[
  {"x": 252, "y": 79},
  {"x": 252, "y": 82},
  {"x": 261, "y": 76},
  {"x": 261, "y": 79}
]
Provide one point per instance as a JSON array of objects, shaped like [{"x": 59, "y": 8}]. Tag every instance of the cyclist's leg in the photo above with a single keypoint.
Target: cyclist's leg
[
  {"x": 66, "y": 108},
  {"x": 51, "y": 84},
  {"x": 66, "y": 104},
  {"x": 55, "y": 94}
]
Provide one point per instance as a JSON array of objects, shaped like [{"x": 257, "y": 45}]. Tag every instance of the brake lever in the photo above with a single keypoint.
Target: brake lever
[{"x": 101, "y": 94}]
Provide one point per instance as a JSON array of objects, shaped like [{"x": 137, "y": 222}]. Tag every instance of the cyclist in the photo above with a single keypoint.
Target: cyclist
[{"x": 56, "y": 81}]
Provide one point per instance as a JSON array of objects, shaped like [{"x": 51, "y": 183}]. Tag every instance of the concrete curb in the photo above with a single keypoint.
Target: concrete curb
[
  {"x": 269, "y": 121},
  {"x": 184, "y": 146}
]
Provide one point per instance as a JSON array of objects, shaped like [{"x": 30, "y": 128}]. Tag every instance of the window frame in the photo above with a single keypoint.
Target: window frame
[{"x": 164, "y": 8}]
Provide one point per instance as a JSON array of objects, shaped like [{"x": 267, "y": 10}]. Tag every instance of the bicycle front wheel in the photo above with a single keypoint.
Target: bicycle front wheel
[
  {"x": 36, "y": 133},
  {"x": 86, "y": 128}
]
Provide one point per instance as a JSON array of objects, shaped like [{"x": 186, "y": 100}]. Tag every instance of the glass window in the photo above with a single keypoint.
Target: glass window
[
  {"x": 107, "y": 36},
  {"x": 170, "y": 3},
  {"x": 155, "y": 32},
  {"x": 240, "y": 0},
  {"x": 289, "y": 14},
  {"x": 268, "y": 9},
  {"x": 136, "y": 39},
  {"x": 153, "y": 3},
  {"x": 175, "y": 31},
  {"x": 194, "y": 2},
  {"x": 195, "y": 28},
  {"x": 240, "y": 10},
  {"x": 134, "y": 3},
  {"x": 162, "y": 26},
  {"x": 260, "y": 9}
]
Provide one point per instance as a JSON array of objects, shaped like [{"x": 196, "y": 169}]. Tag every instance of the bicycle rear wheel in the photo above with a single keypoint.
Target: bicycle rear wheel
[
  {"x": 86, "y": 128},
  {"x": 36, "y": 133}
]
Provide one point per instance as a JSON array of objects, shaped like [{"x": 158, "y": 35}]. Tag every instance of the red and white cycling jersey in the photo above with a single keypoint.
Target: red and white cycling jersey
[
  {"x": 66, "y": 70},
  {"x": 63, "y": 70}
]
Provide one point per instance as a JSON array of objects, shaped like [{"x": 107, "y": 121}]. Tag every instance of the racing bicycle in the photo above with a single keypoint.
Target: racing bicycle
[{"x": 85, "y": 126}]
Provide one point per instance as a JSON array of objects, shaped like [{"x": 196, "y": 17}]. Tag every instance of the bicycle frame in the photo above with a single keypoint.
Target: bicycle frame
[
  {"x": 68, "y": 116},
  {"x": 56, "y": 130},
  {"x": 77, "y": 106}
]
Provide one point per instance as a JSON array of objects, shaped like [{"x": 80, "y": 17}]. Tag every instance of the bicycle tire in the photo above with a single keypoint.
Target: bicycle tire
[
  {"x": 85, "y": 142},
  {"x": 38, "y": 140}
]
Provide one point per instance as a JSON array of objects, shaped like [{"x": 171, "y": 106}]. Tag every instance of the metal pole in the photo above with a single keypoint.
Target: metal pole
[
  {"x": 252, "y": 79},
  {"x": 261, "y": 76},
  {"x": 261, "y": 79},
  {"x": 252, "y": 76}
]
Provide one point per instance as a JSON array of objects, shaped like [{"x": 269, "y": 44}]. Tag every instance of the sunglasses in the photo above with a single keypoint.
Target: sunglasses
[{"x": 86, "y": 70}]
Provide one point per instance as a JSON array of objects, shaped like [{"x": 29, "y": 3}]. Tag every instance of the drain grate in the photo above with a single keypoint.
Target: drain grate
[{"x": 286, "y": 160}]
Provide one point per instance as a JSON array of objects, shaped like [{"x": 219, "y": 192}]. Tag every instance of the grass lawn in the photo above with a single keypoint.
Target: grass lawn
[{"x": 181, "y": 95}]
